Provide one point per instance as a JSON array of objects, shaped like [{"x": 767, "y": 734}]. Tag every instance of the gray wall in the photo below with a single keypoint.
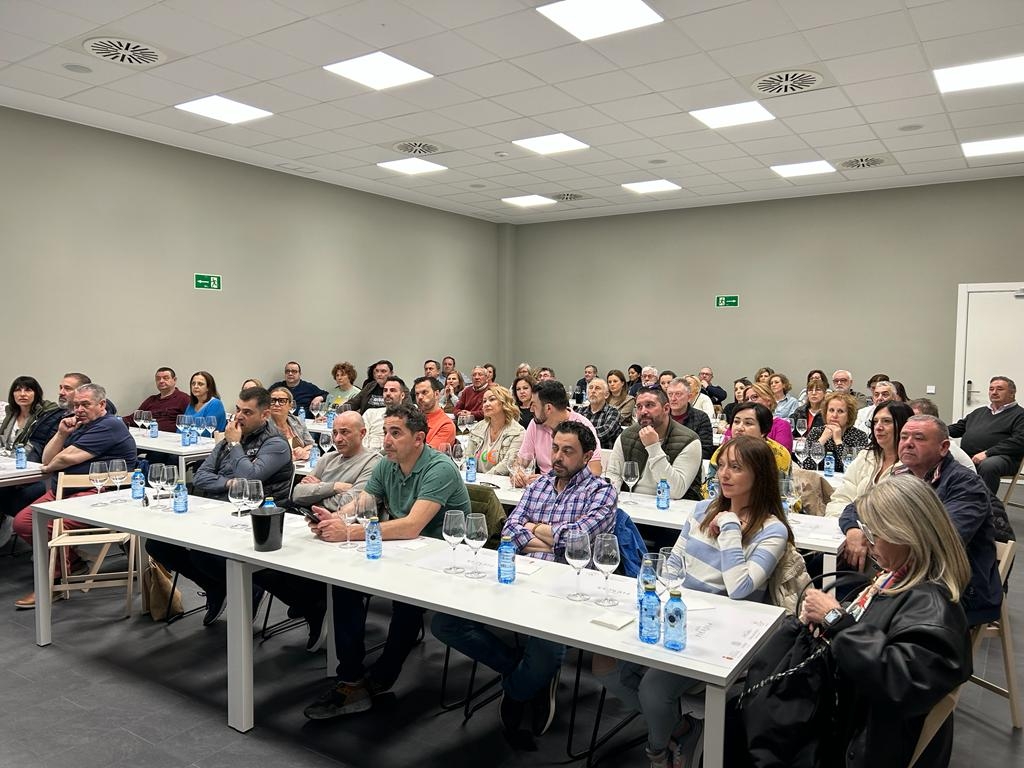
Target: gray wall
[
  {"x": 863, "y": 281},
  {"x": 101, "y": 233}
]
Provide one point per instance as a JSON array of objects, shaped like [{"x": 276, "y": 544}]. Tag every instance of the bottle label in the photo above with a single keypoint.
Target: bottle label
[
  {"x": 184, "y": 438},
  {"x": 154, "y": 430},
  {"x": 470, "y": 470},
  {"x": 830, "y": 465},
  {"x": 331, "y": 415},
  {"x": 20, "y": 461},
  {"x": 506, "y": 564},
  {"x": 180, "y": 499}
]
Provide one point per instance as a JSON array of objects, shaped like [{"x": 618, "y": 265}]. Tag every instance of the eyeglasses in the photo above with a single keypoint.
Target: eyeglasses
[
  {"x": 840, "y": 381},
  {"x": 292, "y": 370},
  {"x": 280, "y": 400},
  {"x": 867, "y": 533}
]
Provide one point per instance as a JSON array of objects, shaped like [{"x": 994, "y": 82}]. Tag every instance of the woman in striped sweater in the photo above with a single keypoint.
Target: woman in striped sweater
[{"x": 730, "y": 546}]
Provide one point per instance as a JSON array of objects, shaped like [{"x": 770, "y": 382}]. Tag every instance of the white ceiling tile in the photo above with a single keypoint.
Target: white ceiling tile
[
  {"x": 723, "y": 188},
  {"x": 381, "y": 23},
  {"x": 283, "y": 127},
  {"x": 977, "y": 46},
  {"x": 456, "y": 159},
  {"x": 292, "y": 150},
  {"x": 636, "y": 148},
  {"x": 435, "y": 93},
  {"x": 985, "y": 132},
  {"x": 238, "y": 135},
  {"x": 638, "y": 107},
  {"x": 1011, "y": 113},
  {"x": 371, "y": 155},
  {"x": 326, "y": 117},
  {"x": 644, "y": 45},
  {"x": 920, "y": 140},
  {"x": 732, "y": 164},
  {"x": 572, "y": 119},
  {"x": 97, "y": 11},
  {"x": 762, "y": 56},
  {"x": 760, "y": 173},
  {"x": 146, "y": 86},
  {"x": 424, "y": 124},
  {"x": 717, "y": 94},
  {"x": 891, "y": 88},
  {"x": 935, "y": 165},
  {"x": 606, "y": 167},
  {"x": 874, "y": 33},
  {"x": 201, "y": 75},
  {"x": 112, "y": 101},
  {"x": 320, "y": 85},
  {"x": 764, "y": 130},
  {"x": 765, "y": 184},
  {"x": 530, "y": 164},
  {"x": 480, "y": 112},
  {"x": 665, "y": 125},
  {"x": 691, "y": 140},
  {"x": 853, "y": 149},
  {"x": 520, "y": 128},
  {"x": 331, "y": 141},
  {"x": 606, "y": 87},
  {"x": 927, "y": 123},
  {"x": 822, "y": 100},
  {"x": 582, "y": 157},
  {"x": 260, "y": 62},
  {"x": 374, "y": 133},
  {"x": 459, "y": 13},
  {"x": 569, "y": 62},
  {"x": 39, "y": 22},
  {"x": 465, "y": 138},
  {"x": 957, "y": 17},
  {"x": 16, "y": 47},
  {"x": 36, "y": 81},
  {"x": 181, "y": 120},
  {"x": 838, "y": 136},
  {"x": 606, "y": 134},
  {"x": 376, "y": 105},
  {"x": 739, "y": 23},
  {"x": 877, "y": 65},
  {"x": 1004, "y": 95},
  {"x": 823, "y": 121},
  {"x": 778, "y": 144},
  {"x": 269, "y": 97},
  {"x": 52, "y": 60},
  {"x": 561, "y": 174},
  {"x": 494, "y": 79},
  {"x": 314, "y": 42},
  {"x": 246, "y": 19},
  {"x": 163, "y": 26},
  {"x": 332, "y": 161},
  {"x": 679, "y": 73},
  {"x": 517, "y": 34},
  {"x": 443, "y": 53},
  {"x": 703, "y": 154},
  {"x": 535, "y": 101},
  {"x": 902, "y": 108},
  {"x": 807, "y": 14},
  {"x": 928, "y": 153}
]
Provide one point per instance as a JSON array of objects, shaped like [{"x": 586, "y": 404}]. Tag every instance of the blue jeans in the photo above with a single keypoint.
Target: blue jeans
[{"x": 522, "y": 678}]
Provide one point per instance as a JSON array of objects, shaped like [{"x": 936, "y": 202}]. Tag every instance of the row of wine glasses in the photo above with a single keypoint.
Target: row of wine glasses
[
  {"x": 455, "y": 453},
  {"x": 203, "y": 424},
  {"x": 162, "y": 478},
  {"x": 804, "y": 449},
  {"x": 465, "y": 421},
  {"x": 102, "y": 472},
  {"x": 471, "y": 528},
  {"x": 605, "y": 556},
  {"x": 143, "y": 419},
  {"x": 245, "y": 494}
]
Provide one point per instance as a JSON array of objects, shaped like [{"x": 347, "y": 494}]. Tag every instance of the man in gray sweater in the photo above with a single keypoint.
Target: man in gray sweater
[{"x": 993, "y": 435}]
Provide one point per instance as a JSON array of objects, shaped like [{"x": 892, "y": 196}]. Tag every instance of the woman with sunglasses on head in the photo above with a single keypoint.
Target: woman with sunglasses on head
[{"x": 290, "y": 426}]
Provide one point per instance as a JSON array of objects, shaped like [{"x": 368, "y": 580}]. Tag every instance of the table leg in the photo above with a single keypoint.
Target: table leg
[
  {"x": 332, "y": 651},
  {"x": 43, "y": 577},
  {"x": 714, "y": 727},
  {"x": 239, "y": 607},
  {"x": 181, "y": 468},
  {"x": 828, "y": 563}
]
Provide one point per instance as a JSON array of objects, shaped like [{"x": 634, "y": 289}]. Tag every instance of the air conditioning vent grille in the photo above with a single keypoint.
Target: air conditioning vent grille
[
  {"x": 790, "y": 81},
  {"x": 121, "y": 51},
  {"x": 416, "y": 147}
]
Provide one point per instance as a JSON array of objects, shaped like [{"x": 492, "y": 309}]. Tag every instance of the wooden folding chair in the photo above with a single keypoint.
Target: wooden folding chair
[
  {"x": 933, "y": 722},
  {"x": 1013, "y": 483}
]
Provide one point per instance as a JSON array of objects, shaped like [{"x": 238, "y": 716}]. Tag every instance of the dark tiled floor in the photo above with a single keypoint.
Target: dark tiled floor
[{"x": 112, "y": 692}]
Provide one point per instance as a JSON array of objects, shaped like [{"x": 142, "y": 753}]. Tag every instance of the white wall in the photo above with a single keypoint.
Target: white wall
[
  {"x": 866, "y": 281},
  {"x": 101, "y": 234}
]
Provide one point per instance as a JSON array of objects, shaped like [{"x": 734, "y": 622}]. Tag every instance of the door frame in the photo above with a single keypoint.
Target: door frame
[{"x": 964, "y": 291}]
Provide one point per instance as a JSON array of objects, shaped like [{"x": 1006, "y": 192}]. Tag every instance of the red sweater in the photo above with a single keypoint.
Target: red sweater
[
  {"x": 473, "y": 401},
  {"x": 166, "y": 411}
]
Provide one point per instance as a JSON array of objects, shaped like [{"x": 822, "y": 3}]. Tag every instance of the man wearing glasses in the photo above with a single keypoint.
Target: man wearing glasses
[
  {"x": 305, "y": 393},
  {"x": 713, "y": 391},
  {"x": 842, "y": 381}
]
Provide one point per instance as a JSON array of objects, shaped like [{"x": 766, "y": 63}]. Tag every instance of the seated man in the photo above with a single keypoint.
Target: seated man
[
  {"x": 649, "y": 376},
  {"x": 394, "y": 392},
  {"x": 692, "y": 418},
  {"x": 471, "y": 399},
  {"x": 418, "y": 485},
  {"x": 993, "y": 435},
  {"x": 440, "y": 429},
  {"x": 842, "y": 381},
  {"x": 167, "y": 404},
  {"x": 568, "y": 497},
  {"x": 252, "y": 449},
  {"x": 550, "y": 408},
  {"x": 89, "y": 435},
  {"x": 717, "y": 395},
  {"x": 337, "y": 475},
  {"x": 304, "y": 393},
  {"x": 925, "y": 406}
]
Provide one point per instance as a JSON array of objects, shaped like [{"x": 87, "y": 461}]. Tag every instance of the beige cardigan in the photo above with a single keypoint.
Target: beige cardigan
[{"x": 506, "y": 449}]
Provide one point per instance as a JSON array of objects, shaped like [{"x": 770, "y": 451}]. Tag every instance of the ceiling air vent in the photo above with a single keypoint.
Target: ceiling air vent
[
  {"x": 864, "y": 161},
  {"x": 789, "y": 81},
  {"x": 122, "y": 51},
  {"x": 416, "y": 147},
  {"x": 568, "y": 197}
]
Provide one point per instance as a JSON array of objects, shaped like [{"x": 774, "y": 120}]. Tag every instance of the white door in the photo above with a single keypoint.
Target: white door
[{"x": 990, "y": 342}]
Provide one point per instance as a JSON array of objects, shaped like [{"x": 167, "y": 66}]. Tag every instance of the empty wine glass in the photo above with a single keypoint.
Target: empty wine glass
[
  {"x": 236, "y": 493},
  {"x": 326, "y": 441},
  {"x": 630, "y": 476},
  {"x": 180, "y": 422},
  {"x": 365, "y": 508},
  {"x": 137, "y": 418},
  {"x": 817, "y": 453},
  {"x": 145, "y": 421},
  {"x": 577, "y": 554},
  {"x": 315, "y": 408},
  {"x": 800, "y": 449},
  {"x": 671, "y": 569},
  {"x": 347, "y": 510},
  {"x": 458, "y": 455},
  {"x": 476, "y": 537},
  {"x": 847, "y": 459},
  {"x": 801, "y": 426},
  {"x": 156, "y": 476},
  {"x": 788, "y": 492},
  {"x": 118, "y": 470},
  {"x": 170, "y": 478},
  {"x": 606, "y": 560},
  {"x": 253, "y": 494},
  {"x": 98, "y": 475},
  {"x": 454, "y": 531}
]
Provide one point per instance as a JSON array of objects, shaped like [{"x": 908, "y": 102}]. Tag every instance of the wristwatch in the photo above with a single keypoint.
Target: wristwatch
[
  {"x": 233, "y": 443},
  {"x": 833, "y": 620}
]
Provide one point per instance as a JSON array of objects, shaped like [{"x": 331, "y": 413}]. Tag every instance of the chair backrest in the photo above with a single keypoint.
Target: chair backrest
[
  {"x": 1005, "y": 552},
  {"x": 484, "y": 500},
  {"x": 67, "y": 481},
  {"x": 933, "y": 722},
  {"x": 631, "y": 544}
]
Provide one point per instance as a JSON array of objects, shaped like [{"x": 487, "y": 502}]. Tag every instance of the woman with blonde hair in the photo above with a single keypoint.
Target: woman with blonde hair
[
  {"x": 290, "y": 426},
  {"x": 495, "y": 440}
]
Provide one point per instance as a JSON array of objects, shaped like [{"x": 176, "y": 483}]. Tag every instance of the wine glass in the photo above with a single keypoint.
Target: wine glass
[
  {"x": 347, "y": 510},
  {"x": 801, "y": 426},
  {"x": 454, "y": 532},
  {"x": 817, "y": 453},
  {"x": 847, "y": 458},
  {"x": 98, "y": 475},
  {"x": 326, "y": 442},
  {"x": 458, "y": 455},
  {"x": 671, "y": 569},
  {"x": 236, "y": 493},
  {"x": 315, "y": 409},
  {"x": 169, "y": 479},
  {"x": 476, "y": 537},
  {"x": 606, "y": 560},
  {"x": 118, "y": 470},
  {"x": 156, "y": 474},
  {"x": 365, "y": 508},
  {"x": 577, "y": 554},
  {"x": 137, "y": 418},
  {"x": 630, "y": 476},
  {"x": 180, "y": 422},
  {"x": 253, "y": 493},
  {"x": 145, "y": 421},
  {"x": 800, "y": 449},
  {"x": 789, "y": 494}
]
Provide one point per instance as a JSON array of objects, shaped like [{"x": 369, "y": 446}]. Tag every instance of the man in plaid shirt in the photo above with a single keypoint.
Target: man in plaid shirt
[{"x": 570, "y": 496}]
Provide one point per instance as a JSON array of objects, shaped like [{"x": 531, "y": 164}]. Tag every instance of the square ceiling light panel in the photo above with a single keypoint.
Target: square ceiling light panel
[
  {"x": 528, "y": 201},
  {"x": 733, "y": 114},
  {"x": 803, "y": 169},
  {"x": 646, "y": 187},
  {"x": 984, "y": 74},
  {"x": 993, "y": 146},
  {"x": 378, "y": 71},
  {"x": 551, "y": 144},
  {"x": 590, "y": 19},
  {"x": 412, "y": 166},
  {"x": 224, "y": 110}
]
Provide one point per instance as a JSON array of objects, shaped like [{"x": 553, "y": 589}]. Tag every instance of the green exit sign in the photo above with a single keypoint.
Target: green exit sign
[
  {"x": 727, "y": 301},
  {"x": 207, "y": 282}
]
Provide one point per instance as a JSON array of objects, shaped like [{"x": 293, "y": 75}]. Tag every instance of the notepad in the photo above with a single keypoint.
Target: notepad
[{"x": 613, "y": 620}]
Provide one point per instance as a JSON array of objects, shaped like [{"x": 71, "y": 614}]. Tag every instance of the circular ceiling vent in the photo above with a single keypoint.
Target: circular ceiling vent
[
  {"x": 121, "y": 51},
  {"x": 862, "y": 162},
  {"x": 791, "y": 81},
  {"x": 416, "y": 147},
  {"x": 568, "y": 197}
]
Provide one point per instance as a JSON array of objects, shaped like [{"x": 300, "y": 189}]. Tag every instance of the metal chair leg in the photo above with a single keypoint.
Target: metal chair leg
[
  {"x": 597, "y": 740},
  {"x": 168, "y": 618}
]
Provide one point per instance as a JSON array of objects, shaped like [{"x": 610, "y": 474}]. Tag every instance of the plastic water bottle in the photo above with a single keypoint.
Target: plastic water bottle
[
  {"x": 374, "y": 545},
  {"x": 302, "y": 413},
  {"x": 138, "y": 485},
  {"x": 185, "y": 437},
  {"x": 268, "y": 501},
  {"x": 664, "y": 494},
  {"x": 650, "y": 616},
  {"x": 712, "y": 487},
  {"x": 506, "y": 561},
  {"x": 675, "y": 622},
  {"x": 331, "y": 416},
  {"x": 470, "y": 469},
  {"x": 20, "y": 459},
  {"x": 830, "y": 465},
  {"x": 154, "y": 429},
  {"x": 314, "y": 455},
  {"x": 180, "y": 498},
  {"x": 646, "y": 577}
]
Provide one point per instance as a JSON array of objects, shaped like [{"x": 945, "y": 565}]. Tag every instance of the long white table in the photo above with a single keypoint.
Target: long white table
[
  {"x": 10, "y": 476},
  {"x": 170, "y": 443},
  {"x": 730, "y": 631}
]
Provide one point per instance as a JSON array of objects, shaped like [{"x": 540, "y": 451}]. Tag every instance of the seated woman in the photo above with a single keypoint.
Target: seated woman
[
  {"x": 698, "y": 399},
  {"x": 250, "y": 383},
  {"x": 633, "y": 374},
  {"x": 453, "y": 386},
  {"x": 730, "y": 546},
  {"x": 785, "y": 403},
  {"x": 30, "y": 421},
  {"x": 817, "y": 375},
  {"x": 902, "y": 643},
  {"x": 754, "y": 420},
  {"x": 602, "y": 414},
  {"x": 837, "y": 433},
  {"x": 524, "y": 369},
  {"x": 738, "y": 388},
  {"x": 763, "y": 375},
  {"x": 619, "y": 397},
  {"x": 810, "y": 411},
  {"x": 204, "y": 400},
  {"x": 344, "y": 375},
  {"x": 522, "y": 389},
  {"x": 495, "y": 440},
  {"x": 780, "y": 432},
  {"x": 288, "y": 424},
  {"x": 877, "y": 462}
]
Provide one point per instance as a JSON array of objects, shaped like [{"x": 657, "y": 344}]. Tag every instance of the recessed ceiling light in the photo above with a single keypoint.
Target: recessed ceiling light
[
  {"x": 412, "y": 166},
  {"x": 225, "y": 110},
  {"x": 911, "y": 127},
  {"x": 993, "y": 146},
  {"x": 803, "y": 169},
  {"x": 645, "y": 187},
  {"x": 733, "y": 114},
  {"x": 981, "y": 75},
  {"x": 657, "y": 161},
  {"x": 528, "y": 201},
  {"x": 549, "y": 145},
  {"x": 586, "y": 19},
  {"x": 378, "y": 71},
  {"x": 79, "y": 69}
]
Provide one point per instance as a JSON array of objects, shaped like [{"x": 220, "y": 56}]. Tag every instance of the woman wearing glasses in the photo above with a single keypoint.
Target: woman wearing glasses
[{"x": 288, "y": 424}]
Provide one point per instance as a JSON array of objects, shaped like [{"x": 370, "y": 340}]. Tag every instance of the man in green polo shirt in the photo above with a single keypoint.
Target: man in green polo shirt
[{"x": 418, "y": 485}]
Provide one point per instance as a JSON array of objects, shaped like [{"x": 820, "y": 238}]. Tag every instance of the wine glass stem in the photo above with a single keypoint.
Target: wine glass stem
[
  {"x": 607, "y": 588},
  {"x": 453, "y": 557},
  {"x": 578, "y": 591}
]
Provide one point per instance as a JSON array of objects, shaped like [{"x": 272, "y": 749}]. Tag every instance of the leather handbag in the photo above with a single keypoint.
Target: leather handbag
[{"x": 156, "y": 589}]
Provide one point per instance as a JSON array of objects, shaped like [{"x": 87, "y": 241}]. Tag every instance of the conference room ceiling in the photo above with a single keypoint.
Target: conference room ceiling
[{"x": 503, "y": 71}]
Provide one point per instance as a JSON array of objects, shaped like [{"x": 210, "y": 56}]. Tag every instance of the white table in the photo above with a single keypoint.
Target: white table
[
  {"x": 534, "y": 605},
  {"x": 170, "y": 443},
  {"x": 316, "y": 427},
  {"x": 10, "y": 476}
]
